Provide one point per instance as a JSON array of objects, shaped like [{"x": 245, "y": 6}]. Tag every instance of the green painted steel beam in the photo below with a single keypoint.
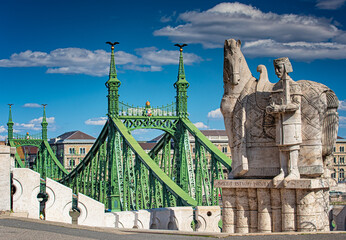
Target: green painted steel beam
[
  {"x": 207, "y": 144},
  {"x": 94, "y": 149},
  {"x": 54, "y": 158},
  {"x": 150, "y": 164}
]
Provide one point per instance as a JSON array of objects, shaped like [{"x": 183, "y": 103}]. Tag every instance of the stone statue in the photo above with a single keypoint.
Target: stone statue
[
  {"x": 283, "y": 129},
  {"x": 285, "y": 106}
]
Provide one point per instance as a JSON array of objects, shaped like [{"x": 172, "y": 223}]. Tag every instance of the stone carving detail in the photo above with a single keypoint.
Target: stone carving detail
[
  {"x": 252, "y": 110},
  {"x": 257, "y": 205}
]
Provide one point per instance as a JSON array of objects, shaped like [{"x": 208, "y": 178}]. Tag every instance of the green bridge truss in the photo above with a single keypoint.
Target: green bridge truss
[
  {"x": 46, "y": 162},
  {"x": 120, "y": 174}
]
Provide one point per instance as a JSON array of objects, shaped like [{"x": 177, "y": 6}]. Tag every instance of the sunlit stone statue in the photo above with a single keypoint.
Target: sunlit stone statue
[
  {"x": 281, "y": 137},
  {"x": 285, "y": 106},
  {"x": 256, "y": 112}
]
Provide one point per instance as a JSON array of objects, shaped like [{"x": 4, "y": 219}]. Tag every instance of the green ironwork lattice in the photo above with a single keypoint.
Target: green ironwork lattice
[{"x": 120, "y": 174}]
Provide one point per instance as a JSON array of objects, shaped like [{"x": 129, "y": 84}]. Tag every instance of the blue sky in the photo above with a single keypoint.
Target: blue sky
[{"x": 54, "y": 52}]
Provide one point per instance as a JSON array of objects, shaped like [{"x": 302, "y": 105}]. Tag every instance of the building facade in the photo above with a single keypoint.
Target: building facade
[
  {"x": 218, "y": 137},
  {"x": 71, "y": 147},
  {"x": 339, "y": 165}
]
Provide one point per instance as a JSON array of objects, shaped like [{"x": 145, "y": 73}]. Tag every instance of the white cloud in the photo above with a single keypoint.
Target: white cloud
[
  {"x": 3, "y": 138},
  {"x": 96, "y": 121},
  {"x": 39, "y": 120},
  {"x": 3, "y": 129},
  {"x": 32, "y": 105},
  {"x": 342, "y": 122},
  {"x": 23, "y": 126},
  {"x": 96, "y": 63},
  {"x": 215, "y": 114},
  {"x": 156, "y": 57},
  {"x": 319, "y": 36},
  {"x": 330, "y": 4},
  {"x": 342, "y": 119},
  {"x": 140, "y": 131},
  {"x": 165, "y": 19},
  {"x": 35, "y": 124},
  {"x": 200, "y": 125},
  {"x": 295, "y": 50},
  {"x": 342, "y": 105}
]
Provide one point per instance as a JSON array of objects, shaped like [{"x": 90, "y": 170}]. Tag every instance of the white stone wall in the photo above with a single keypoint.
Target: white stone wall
[
  {"x": 27, "y": 186},
  {"x": 92, "y": 212},
  {"x": 59, "y": 202},
  {"x": 5, "y": 178},
  {"x": 208, "y": 218}
]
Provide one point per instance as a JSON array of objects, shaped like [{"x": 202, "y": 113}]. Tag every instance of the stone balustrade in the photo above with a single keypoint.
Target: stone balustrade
[{"x": 92, "y": 213}]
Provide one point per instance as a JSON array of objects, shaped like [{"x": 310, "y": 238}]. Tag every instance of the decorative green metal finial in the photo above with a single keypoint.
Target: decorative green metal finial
[
  {"x": 181, "y": 85},
  {"x": 112, "y": 69},
  {"x": 113, "y": 84},
  {"x": 10, "y": 123},
  {"x": 181, "y": 72},
  {"x": 44, "y": 123}
]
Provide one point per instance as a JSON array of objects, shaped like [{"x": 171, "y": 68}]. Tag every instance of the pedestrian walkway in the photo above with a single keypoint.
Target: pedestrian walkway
[{"x": 28, "y": 229}]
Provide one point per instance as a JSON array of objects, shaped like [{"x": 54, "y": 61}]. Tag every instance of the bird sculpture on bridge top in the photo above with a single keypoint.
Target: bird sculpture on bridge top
[
  {"x": 112, "y": 44},
  {"x": 180, "y": 46}
]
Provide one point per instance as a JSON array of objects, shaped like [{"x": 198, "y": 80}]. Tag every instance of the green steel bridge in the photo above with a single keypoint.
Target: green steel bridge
[{"x": 119, "y": 173}]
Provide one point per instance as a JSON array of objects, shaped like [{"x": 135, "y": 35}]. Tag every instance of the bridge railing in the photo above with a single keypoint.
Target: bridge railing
[
  {"x": 27, "y": 136},
  {"x": 130, "y": 110}
]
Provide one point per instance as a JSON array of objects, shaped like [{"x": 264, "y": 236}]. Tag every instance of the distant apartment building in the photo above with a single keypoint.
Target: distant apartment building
[
  {"x": 217, "y": 137},
  {"x": 339, "y": 165},
  {"x": 71, "y": 147}
]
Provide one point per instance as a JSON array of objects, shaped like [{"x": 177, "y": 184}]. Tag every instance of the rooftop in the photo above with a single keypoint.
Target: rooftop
[{"x": 74, "y": 135}]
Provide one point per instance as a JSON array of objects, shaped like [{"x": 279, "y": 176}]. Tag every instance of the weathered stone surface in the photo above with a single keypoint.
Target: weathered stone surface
[
  {"x": 289, "y": 211},
  {"x": 59, "y": 202},
  {"x": 181, "y": 218},
  {"x": 267, "y": 183},
  {"x": 27, "y": 185},
  {"x": 91, "y": 211},
  {"x": 228, "y": 210},
  {"x": 110, "y": 219},
  {"x": 126, "y": 219},
  {"x": 274, "y": 209},
  {"x": 288, "y": 127},
  {"x": 243, "y": 213},
  {"x": 5, "y": 178},
  {"x": 275, "y": 199},
  {"x": 143, "y": 219},
  {"x": 264, "y": 210},
  {"x": 253, "y": 206},
  {"x": 160, "y": 218},
  {"x": 208, "y": 218}
]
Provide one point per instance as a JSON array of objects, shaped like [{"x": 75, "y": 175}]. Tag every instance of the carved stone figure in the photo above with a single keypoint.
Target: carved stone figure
[
  {"x": 252, "y": 110},
  {"x": 285, "y": 106}
]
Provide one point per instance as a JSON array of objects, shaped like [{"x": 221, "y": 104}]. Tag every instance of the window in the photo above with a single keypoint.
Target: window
[
  {"x": 72, "y": 163},
  {"x": 82, "y": 151},
  {"x": 341, "y": 160},
  {"x": 334, "y": 159},
  {"x": 72, "y": 150},
  {"x": 341, "y": 174},
  {"x": 342, "y": 149},
  {"x": 334, "y": 149},
  {"x": 333, "y": 175},
  {"x": 224, "y": 149}
]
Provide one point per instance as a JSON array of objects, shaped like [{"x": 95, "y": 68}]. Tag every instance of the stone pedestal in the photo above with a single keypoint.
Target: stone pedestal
[{"x": 256, "y": 205}]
